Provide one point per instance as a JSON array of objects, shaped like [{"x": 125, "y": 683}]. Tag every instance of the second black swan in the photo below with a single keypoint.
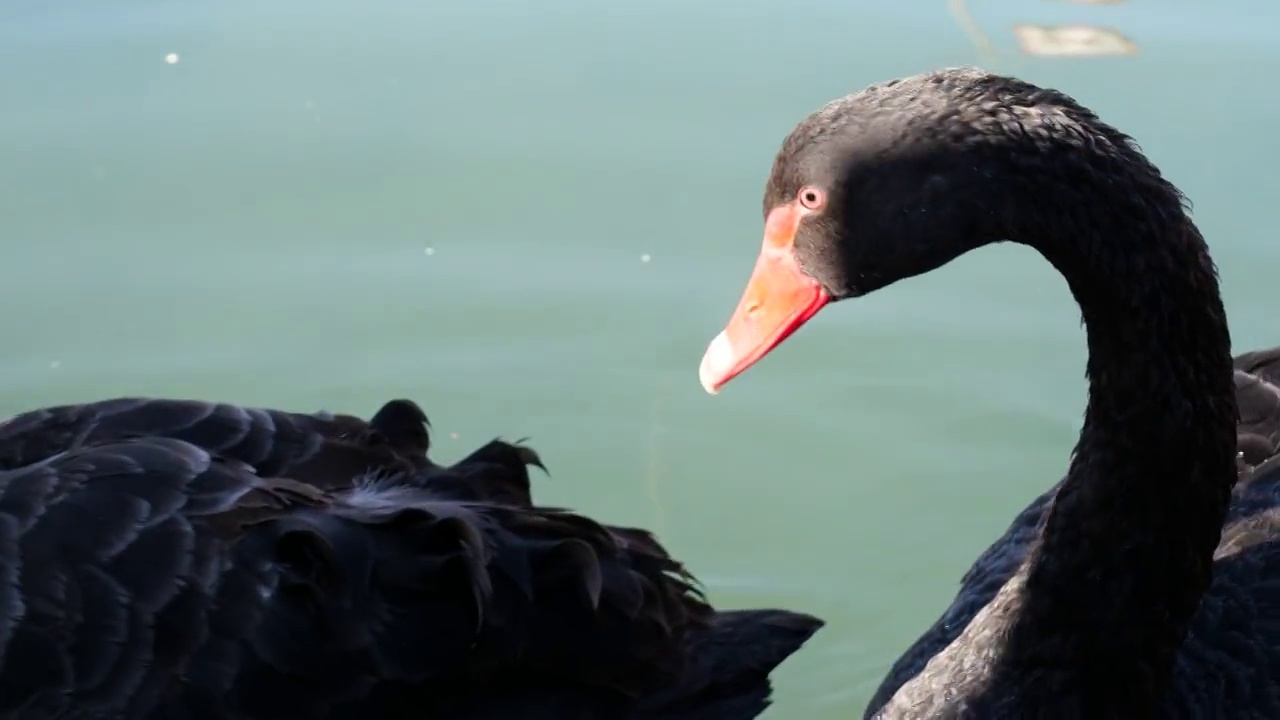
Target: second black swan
[
  {"x": 1147, "y": 582},
  {"x": 185, "y": 560}
]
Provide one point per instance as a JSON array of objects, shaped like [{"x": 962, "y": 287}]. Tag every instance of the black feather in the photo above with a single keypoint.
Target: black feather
[{"x": 179, "y": 559}]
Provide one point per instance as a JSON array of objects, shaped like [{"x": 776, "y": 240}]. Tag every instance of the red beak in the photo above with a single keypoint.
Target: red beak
[{"x": 779, "y": 299}]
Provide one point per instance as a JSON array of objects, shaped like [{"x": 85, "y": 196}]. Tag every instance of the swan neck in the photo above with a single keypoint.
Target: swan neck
[{"x": 1126, "y": 551}]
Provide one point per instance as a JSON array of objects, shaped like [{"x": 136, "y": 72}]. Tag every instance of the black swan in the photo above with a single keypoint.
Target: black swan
[
  {"x": 182, "y": 559},
  {"x": 1147, "y": 583}
]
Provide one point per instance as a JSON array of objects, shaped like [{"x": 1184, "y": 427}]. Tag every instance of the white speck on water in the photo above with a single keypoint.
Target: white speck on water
[
  {"x": 429, "y": 251},
  {"x": 645, "y": 258},
  {"x": 172, "y": 58},
  {"x": 55, "y": 364},
  {"x": 453, "y": 436}
]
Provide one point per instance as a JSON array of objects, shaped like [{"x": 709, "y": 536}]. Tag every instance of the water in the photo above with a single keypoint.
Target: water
[{"x": 329, "y": 204}]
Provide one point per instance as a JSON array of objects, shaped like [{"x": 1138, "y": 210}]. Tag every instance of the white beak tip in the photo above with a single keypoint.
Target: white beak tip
[{"x": 718, "y": 358}]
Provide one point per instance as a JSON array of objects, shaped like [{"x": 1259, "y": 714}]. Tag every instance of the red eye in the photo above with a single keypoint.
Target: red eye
[{"x": 812, "y": 198}]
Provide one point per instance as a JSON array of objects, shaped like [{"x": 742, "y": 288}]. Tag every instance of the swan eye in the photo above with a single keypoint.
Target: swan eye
[{"x": 812, "y": 198}]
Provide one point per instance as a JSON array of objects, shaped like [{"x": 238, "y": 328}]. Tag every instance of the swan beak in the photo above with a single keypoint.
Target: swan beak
[{"x": 779, "y": 298}]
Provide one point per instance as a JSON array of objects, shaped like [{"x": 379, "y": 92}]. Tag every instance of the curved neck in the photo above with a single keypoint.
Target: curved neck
[{"x": 1126, "y": 550}]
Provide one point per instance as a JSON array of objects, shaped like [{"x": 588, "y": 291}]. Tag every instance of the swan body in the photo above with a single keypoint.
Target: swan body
[
  {"x": 1229, "y": 666},
  {"x": 185, "y": 559}
]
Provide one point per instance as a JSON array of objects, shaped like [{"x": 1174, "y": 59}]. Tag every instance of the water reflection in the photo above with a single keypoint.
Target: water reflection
[
  {"x": 1072, "y": 40},
  {"x": 1069, "y": 40}
]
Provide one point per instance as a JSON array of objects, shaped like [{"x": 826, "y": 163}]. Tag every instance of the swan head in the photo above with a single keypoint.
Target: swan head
[{"x": 897, "y": 180}]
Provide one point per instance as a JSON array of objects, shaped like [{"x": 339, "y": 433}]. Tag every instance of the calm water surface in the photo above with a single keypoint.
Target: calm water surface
[{"x": 531, "y": 217}]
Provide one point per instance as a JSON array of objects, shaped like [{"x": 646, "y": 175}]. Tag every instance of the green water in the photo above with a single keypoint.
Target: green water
[{"x": 532, "y": 216}]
